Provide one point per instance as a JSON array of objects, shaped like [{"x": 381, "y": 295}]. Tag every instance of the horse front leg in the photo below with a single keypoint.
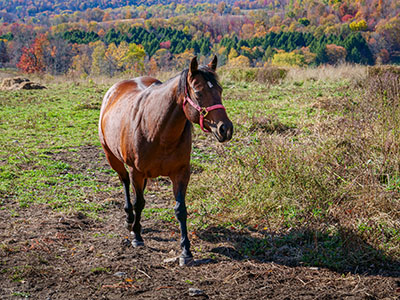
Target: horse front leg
[
  {"x": 139, "y": 184},
  {"x": 180, "y": 183}
]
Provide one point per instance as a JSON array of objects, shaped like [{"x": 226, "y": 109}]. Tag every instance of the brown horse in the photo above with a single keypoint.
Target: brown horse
[{"x": 146, "y": 125}]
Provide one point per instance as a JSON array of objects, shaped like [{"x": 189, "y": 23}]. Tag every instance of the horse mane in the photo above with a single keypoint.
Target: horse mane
[{"x": 205, "y": 71}]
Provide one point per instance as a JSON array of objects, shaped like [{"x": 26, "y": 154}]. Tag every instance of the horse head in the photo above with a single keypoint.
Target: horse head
[{"x": 203, "y": 92}]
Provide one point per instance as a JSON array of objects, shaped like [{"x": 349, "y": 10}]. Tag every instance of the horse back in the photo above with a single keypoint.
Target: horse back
[{"x": 121, "y": 89}]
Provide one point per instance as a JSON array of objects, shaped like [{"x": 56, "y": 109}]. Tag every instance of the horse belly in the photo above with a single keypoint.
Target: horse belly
[{"x": 163, "y": 163}]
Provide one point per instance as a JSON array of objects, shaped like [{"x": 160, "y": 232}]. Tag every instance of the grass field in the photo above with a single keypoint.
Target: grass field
[{"x": 314, "y": 163}]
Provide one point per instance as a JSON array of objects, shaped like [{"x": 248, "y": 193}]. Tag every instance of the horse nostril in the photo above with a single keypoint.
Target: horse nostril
[{"x": 222, "y": 130}]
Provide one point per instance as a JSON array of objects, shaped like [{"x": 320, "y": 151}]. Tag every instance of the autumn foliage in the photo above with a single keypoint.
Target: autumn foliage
[
  {"x": 32, "y": 59},
  {"x": 336, "y": 54},
  {"x": 78, "y": 38}
]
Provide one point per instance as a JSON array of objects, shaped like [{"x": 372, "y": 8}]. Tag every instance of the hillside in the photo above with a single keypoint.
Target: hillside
[
  {"x": 22, "y": 9},
  {"x": 106, "y": 38}
]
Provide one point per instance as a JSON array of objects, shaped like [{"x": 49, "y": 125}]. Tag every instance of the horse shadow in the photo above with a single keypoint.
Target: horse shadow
[{"x": 342, "y": 252}]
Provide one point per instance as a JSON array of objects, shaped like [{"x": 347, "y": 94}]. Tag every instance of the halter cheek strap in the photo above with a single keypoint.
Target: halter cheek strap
[{"x": 202, "y": 110}]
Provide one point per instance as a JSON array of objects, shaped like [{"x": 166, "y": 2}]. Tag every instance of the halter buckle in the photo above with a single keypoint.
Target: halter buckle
[{"x": 204, "y": 112}]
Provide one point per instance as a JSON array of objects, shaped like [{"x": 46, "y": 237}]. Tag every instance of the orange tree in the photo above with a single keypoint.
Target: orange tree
[{"x": 32, "y": 58}]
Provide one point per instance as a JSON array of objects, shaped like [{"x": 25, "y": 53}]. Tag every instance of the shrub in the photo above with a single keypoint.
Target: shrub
[
  {"x": 336, "y": 54},
  {"x": 240, "y": 61},
  {"x": 284, "y": 59},
  {"x": 304, "y": 21},
  {"x": 376, "y": 72}
]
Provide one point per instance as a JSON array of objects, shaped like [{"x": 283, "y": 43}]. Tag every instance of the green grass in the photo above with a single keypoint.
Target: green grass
[
  {"x": 165, "y": 214},
  {"x": 21, "y": 294},
  {"x": 36, "y": 126}
]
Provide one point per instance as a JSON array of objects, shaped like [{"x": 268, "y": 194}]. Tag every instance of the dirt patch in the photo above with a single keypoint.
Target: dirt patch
[
  {"x": 18, "y": 83},
  {"x": 45, "y": 254},
  {"x": 270, "y": 124}
]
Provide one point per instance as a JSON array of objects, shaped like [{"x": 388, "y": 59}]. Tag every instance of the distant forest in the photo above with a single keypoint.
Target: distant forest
[
  {"x": 108, "y": 37},
  {"x": 22, "y": 8}
]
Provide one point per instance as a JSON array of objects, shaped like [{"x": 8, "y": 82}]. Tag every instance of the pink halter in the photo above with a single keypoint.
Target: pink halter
[{"x": 202, "y": 110}]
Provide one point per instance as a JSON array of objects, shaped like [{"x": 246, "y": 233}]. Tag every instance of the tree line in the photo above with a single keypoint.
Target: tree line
[
  {"x": 257, "y": 49},
  {"x": 86, "y": 52}
]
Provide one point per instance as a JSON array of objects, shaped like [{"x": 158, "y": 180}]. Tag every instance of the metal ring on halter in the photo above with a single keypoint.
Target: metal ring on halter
[{"x": 204, "y": 111}]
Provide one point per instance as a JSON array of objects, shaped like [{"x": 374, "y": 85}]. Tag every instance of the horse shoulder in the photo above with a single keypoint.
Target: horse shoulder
[{"x": 117, "y": 93}]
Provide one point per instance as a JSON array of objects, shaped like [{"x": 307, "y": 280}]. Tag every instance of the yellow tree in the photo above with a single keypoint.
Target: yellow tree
[
  {"x": 98, "y": 58},
  {"x": 247, "y": 31},
  {"x": 232, "y": 54},
  {"x": 358, "y": 26},
  {"x": 285, "y": 59},
  {"x": 134, "y": 58},
  {"x": 260, "y": 30},
  {"x": 80, "y": 65},
  {"x": 183, "y": 59},
  {"x": 240, "y": 61},
  {"x": 93, "y": 26},
  {"x": 115, "y": 56}
]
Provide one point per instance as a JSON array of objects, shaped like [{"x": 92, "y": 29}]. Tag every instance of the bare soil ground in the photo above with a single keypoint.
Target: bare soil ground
[{"x": 46, "y": 254}]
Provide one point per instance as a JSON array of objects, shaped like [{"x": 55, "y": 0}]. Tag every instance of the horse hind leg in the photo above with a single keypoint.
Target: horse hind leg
[
  {"x": 123, "y": 175},
  {"x": 139, "y": 184}
]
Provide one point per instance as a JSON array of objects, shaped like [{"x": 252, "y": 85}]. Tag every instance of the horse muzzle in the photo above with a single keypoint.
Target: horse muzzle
[{"x": 223, "y": 131}]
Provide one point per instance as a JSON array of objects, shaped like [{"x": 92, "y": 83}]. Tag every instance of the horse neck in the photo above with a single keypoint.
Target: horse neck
[{"x": 170, "y": 120}]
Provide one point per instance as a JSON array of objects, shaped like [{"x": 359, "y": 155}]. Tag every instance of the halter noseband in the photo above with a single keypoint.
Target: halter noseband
[{"x": 202, "y": 110}]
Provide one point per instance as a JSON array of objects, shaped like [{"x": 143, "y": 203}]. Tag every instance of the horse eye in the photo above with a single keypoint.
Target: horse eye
[{"x": 198, "y": 94}]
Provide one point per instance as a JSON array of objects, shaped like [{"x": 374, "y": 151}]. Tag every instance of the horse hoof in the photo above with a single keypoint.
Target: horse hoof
[
  {"x": 186, "y": 261},
  {"x": 129, "y": 226},
  {"x": 136, "y": 243}
]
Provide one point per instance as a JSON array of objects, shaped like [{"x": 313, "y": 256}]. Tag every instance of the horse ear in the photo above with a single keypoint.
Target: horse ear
[
  {"x": 193, "y": 66},
  {"x": 213, "y": 65}
]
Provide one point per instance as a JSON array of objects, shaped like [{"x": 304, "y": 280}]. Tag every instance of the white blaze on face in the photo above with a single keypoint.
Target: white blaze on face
[{"x": 210, "y": 84}]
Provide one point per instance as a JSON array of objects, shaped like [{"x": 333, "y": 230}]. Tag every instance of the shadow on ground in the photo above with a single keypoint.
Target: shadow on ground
[{"x": 343, "y": 252}]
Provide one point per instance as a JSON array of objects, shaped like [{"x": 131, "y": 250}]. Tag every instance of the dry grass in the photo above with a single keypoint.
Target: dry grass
[
  {"x": 354, "y": 73},
  {"x": 266, "y": 75}
]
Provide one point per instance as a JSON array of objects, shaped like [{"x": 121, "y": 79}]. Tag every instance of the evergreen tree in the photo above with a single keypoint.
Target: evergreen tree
[
  {"x": 321, "y": 57},
  {"x": 354, "y": 56},
  {"x": 111, "y": 36},
  {"x": 257, "y": 54},
  {"x": 204, "y": 49},
  {"x": 195, "y": 46},
  {"x": 4, "y": 58},
  {"x": 179, "y": 48},
  {"x": 361, "y": 54},
  {"x": 304, "y": 21},
  {"x": 268, "y": 54}
]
